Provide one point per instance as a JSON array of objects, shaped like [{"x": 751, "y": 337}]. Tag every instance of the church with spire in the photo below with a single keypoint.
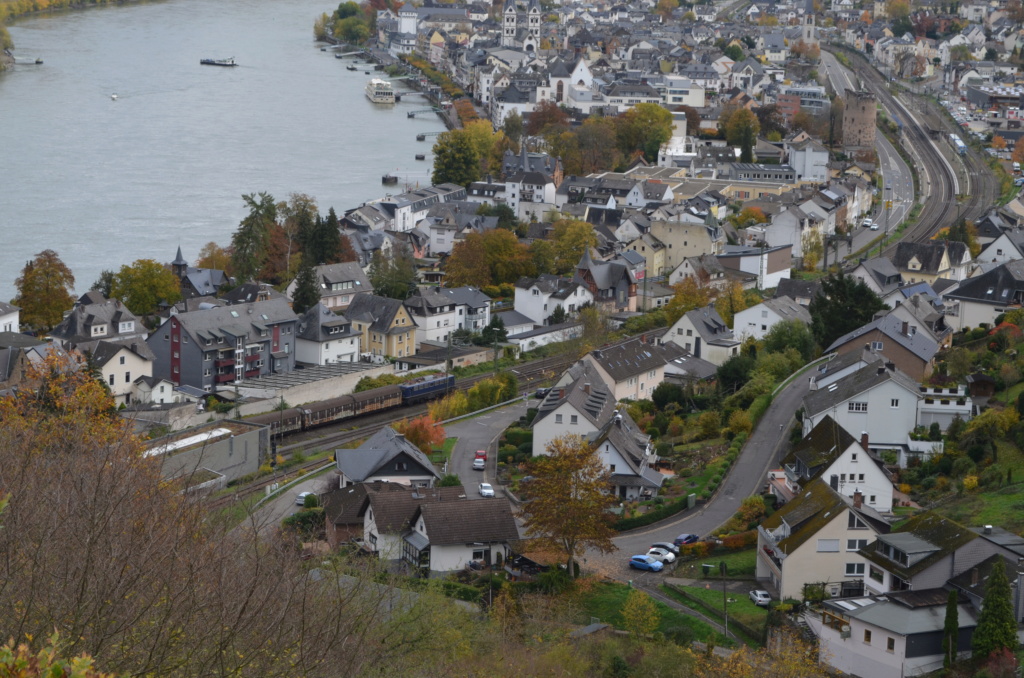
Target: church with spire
[{"x": 521, "y": 29}]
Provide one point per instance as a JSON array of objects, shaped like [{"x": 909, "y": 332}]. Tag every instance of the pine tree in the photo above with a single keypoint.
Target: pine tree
[
  {"x": 996, "y": 626},
  {"x": 307, "y": 291},
  {"x": 950, "y": 631}
]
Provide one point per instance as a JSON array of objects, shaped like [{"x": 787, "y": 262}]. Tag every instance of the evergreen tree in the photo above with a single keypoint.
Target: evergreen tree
[
  {"x": 392, "y": 276},
  {"x": 950, "y": 631},
  {"x": 843, "y": 305},
  {"x": 996, "y": 626},
  {"x": 250, "y": 241},
  {"x": 455, "y": 159},
  {"x": 307, "y": 291},
  {"x": 494, "y": 332}
]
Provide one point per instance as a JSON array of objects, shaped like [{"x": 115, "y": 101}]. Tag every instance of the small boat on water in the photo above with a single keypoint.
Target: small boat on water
[
  {"x": 389, "y": 179},
  {"x": 421, "y": 156},
  {"x": 114, "y": 97},
  {"x": 218, "y": 62},
  {"x": 351, "y": 67},
  {"x": 367, "y": 72},
  {"x": 421, "y": 137}
]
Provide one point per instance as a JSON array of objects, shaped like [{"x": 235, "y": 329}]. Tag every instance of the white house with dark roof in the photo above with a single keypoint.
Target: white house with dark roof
[
  {"x": 95, "y": 318},
  {"x": 338, "y": 284},
  {"x": 757, "y": 321},
  {"x": 439, "y": 311},
  {"x": 705, "y": 335},
  {"x": 537, "y": 298},
  {"x": 979, "y": 300},
  {"x": 388, "y": 457},
  {"x": 633, "y": 369},
  {"x": 324, "y": 338},
  {"x": 9, "y": 317},
  {"x": 119, "y": 364}
]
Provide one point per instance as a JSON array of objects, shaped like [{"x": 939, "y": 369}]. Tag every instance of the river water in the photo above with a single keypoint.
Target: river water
[{"x": 105, "y": 182}]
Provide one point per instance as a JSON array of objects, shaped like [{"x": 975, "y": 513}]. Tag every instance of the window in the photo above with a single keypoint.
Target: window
[
  {"x": 860, "y": 478},
  {"x": 867, "y": 636},
  {"x": 111, "y": 380},
  {"x": 122, "y": 360},
  {"x": 401, "y": 466},
  {"x": 890, "y": 644},
  {"x": 573, "y": 419},
  {"x": 127, "y": 377},
  {"x": 206, "y": 372},
  {"x": 894, "y": 403},
  {"x": 828, "y": 545},
  {"x": 854, "y": 569},
  {"x": 876, "y": 574},
  {"x": 857, "y": 407},
  {"x": 853, "y": 458},
  {"x": 558, "y": 419},
  {"x": 478, "y": 555},
  {"x": 855, "y": 523},
  {"x": 876, "y": 346},
  {"x": 856, "y": 544}
]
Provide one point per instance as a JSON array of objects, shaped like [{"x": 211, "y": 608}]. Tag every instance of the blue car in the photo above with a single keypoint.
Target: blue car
[{"x": 645, "y": 563}]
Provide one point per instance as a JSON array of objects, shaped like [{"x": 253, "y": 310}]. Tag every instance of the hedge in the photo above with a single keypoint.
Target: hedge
[
  {"x": 666, "y": 510},
  {"x": 759, "y": 407}
]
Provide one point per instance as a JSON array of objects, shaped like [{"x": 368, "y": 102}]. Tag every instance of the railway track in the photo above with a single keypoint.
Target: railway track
[
  {"x": 529, "y": 375},
  {"x": 941, "y": 207}
]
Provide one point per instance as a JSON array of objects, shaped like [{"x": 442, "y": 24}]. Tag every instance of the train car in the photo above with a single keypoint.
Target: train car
[
  {"x": 327, "y": 411},
  {"x": 957, "y": 143},
  {"x": 423, "y": 389},
  {"x": 280, "y": 421},
  {"x": 376, "y": 399}
]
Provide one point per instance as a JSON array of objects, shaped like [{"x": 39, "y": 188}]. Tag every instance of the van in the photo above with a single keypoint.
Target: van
[{"x": 1016, "y": 168}]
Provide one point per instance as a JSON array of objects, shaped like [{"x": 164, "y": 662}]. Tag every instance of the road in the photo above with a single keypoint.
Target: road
[
  {"x": 481, "y": 433},
  {"x": 898, "y": 181}
]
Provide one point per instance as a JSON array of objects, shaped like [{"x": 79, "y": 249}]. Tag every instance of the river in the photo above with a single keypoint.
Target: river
[{"x": 105, "y": 182}]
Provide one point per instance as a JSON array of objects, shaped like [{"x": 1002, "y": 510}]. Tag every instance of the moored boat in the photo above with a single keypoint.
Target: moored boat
[
  {"x": 380, "y": 91},
  {"x": 351, "y": 67},
  {"x": 421, "y": 156},
  {"x": 218, "y": 62},
  {"x": 389, "y": 179}
]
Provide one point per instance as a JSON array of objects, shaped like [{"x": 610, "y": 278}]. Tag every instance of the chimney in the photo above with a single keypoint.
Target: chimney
[
  {"x": 974, "y": 577},
  {"x": 891, "y": 366},
  {"x": 988, "y": 529},
  {"x": 858, "y": 499},
  {"x": 864, "y": 440},
  {"x": 586, "y": 388},
  {"x": 905, "y": 330},
  {"x": 867, "y": 346},
  {"x": 881, "y": 369},
  {"x": 561, "y": 393}
]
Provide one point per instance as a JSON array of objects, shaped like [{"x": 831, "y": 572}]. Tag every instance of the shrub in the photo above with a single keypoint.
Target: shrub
[
  {"x": 971, "y": 483},
  {"x": 518, "y": 436},
  {"x": 694, "y": 551},
  {"x": 758, "y": 408},
  {"x": 738, "y": 542}
]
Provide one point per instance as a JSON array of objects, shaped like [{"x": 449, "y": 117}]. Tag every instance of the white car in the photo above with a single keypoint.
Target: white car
[
  {"x": 300, "y": 498},
  {"x": 662, "y": 554},
  {"x": 479, "y": 464},
  {"x": 762, "y": 598},
  {"x": 486, "y": 490}
]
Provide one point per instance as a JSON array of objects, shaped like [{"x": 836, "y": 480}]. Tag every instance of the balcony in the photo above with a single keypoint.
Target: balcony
[
  {"x": 223, "y": 378},
  {"x": 252, "y": 372},
  {"x": 224, "y": 362},
  {"x": 252, "y": 358}
]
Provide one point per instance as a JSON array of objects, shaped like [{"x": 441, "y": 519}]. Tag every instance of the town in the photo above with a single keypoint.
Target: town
[{"x": 699, "y": 355}]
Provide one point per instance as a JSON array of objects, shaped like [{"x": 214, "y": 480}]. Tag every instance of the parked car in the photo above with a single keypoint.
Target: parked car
[
  {"x": 300, "y": 498},
  {"x": 668, "y": 546},
  {"x": 481, "y": 454},
  {"x": 874, "y": 227},
  {"x": 479, "y": 464},
  {"x": 759, "y": 597},
  {"x": 664, "y": 555},
  {"x": 645, "y": 563},
  {"x": 866, "y": 223},
  {"x": 540, "y": 393},
  {"x": 684, "y": 539},
  {"x": 486, "y": 490}
]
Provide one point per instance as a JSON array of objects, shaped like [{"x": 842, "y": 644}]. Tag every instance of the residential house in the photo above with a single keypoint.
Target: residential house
[
  {"x": 119, "y": 365},
  {"x": 880, "y": 275},
  {"x": 338, "y": 284},
  {"x": 324, "y": 338},
  {"x": 926, "y": 313},
  {"x": 802, "y": 292},
  {"x": 633, "y": 369},
  {"x": 979, "y": 300},
  {"x": 96, "y": 318},
  {"x": 612, "y": 283},
  {"x": 682, "y": 239},
  {"x": 706, "y": 271},
  {"x": 212, "y": 347},
  {"x": 627, "y": 454},
  {"x": 829, "y": 452},
  {"x": 387, "y": 327},
  {"x": 932, "y": 260},
  {"x": 757, "y": 321},
  {"x": 809, "y": 159},
  {"x": 156, "y": 391},
  {"x": 9, "y": 317},
  {"x": 704, "y": 334},
  {"x": 900, "y": 341},
  {"x": 197, "y": 282},
  {"x": 434, "y": 314},
  {"x": 386, "y": 456},
  {"x": 530, "y": 194},
  {"x": 1007, "y": 246},
  {"x": 769, "y": 265},
  {"x": 20, "y": 356},
  {"x": 816, "y": 539},
  {"x": 537, "y": 298}
]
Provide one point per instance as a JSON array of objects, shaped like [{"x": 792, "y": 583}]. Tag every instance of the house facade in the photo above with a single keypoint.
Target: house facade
[
  {"x": 324, "y": 338},
  {"x": 703, "y": 333},
  {"x": 757, "y": 321},
  {"x": 386, "y": 326},
  {"x": 338, "y": 284}
]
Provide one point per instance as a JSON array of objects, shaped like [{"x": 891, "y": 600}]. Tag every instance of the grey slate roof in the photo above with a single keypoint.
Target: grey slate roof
[
  {"x": 928, "y": 254},
  {"x": 884, "y": 273},
  {"x": 633, "y": 357},
  {"x": 236, "y": 321},
  {"x": 919, "y": 343},
  {"x": 853, "y": 385},
  {"x": 890, "y": 613},
  {"x": 76, "y": 326},
  {"x": 377, "y": 312},
  {"x": 1001, "y": 286},
  {"x": 597, "y": 405},
  {"x": 317, "y": 323},
  {"x": 710, "y": 326},
  {"x": 513, "y": 318},
  {"x": 798, "y": 289},
  {"x": 378, "y": 450},
  {"x": 554, "y": 285},
  {"x": 103, "y": 351},
  {"x": 6, "y": 308},
  {"x": 459, "y": 523},
  {"x": 205, "y": 281},
  {"x": 788, "y": 309},
  {"x": 394, "y": 504}
]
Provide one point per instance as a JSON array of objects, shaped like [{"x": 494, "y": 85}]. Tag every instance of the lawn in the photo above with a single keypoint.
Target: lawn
[
  {"x": 1003, "y": 507},
  {"x": 740, "y": 606},
  {"x": 605, "y": 601},
  {"x": 738, "y": 564},
  {"x": 444, "y": 453}
]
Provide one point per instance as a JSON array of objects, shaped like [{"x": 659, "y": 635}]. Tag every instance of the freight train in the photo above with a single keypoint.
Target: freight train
[{"x": 412, "y": 392}]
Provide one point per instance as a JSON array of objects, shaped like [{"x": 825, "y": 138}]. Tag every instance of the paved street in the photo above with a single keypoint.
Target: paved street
[{"x": 478, "y": 433}]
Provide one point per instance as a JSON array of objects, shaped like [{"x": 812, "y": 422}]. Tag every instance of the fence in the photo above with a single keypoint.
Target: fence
[{"x": 758, "y": 635}]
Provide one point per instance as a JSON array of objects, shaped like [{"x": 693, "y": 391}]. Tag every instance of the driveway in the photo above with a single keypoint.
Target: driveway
[
  {"x": 746, "y": 477},
  {"x": 481, "y": 433}
]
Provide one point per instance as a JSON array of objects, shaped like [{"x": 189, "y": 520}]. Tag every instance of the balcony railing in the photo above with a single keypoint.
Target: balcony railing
[
  {"x": 224, "y": 362},
  {"x": 252, "y": 372},
  {"x": 222, "y": 378},
  {"x": 252, "y": 358}
]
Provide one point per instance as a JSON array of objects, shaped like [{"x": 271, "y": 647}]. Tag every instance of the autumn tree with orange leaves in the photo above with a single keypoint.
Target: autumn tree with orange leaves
[
  {"x": 423, "y": 432},
  {"x": 568, "y": 510}
]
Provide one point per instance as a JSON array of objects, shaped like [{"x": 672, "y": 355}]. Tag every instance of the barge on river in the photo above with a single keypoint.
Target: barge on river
[{"x": 218, "y": 62}]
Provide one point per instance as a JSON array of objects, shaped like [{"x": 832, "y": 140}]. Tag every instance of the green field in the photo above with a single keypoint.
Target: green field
[
  {"x": 738, "y": 564},
  {"x": 605, "y": 602},
  {"x": 740, "y": 606}
]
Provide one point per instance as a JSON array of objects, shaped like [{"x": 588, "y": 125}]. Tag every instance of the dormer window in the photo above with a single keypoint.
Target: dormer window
[
  {"x": 128, "y": 326},
  {"x": 99, "y": 330}
]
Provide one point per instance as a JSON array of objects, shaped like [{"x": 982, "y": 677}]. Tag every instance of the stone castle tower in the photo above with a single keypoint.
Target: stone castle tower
[{"x": 859, "y": 119}]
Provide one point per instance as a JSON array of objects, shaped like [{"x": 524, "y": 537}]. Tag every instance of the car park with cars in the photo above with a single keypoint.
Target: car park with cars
[
  {"x": 645, "y": 563},
  {"x": 664, "y": 555},
  {"x": 684, "y": 539}
]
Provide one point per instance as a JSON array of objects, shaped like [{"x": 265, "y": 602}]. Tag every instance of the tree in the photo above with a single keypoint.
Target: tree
[
  {"x": 964, "y": 231},
  {"x": 495, "y": 332},
  {"x": 546, "y": 114},
  {"x": 345, "y": 251},
  {"x": 352, "y": 30},
  {"x": 640, "y": 615},
  {"x": 750, "y": 216},
  {"x": 998, "y": 143},
  {"x": 665, "y": 8},
  {"x": 730, "y": 302},
  {"x": 597, "y": 146},
  {"x": 791, "y": 334},
  {"x": 307, "y": 289},
  {"x": 644, "y": 128},
  {"x": 843, "y": 304},
  {"x": 249, "y": 243},
  {"x": 770, "y": 119},
  {"x": 22, "y": 662},
  {"x": 734, "y": 52},
  {"x": 449, "y": 480},
  {"x": 812, "y": 246},
  {"x": 950, "y": 631},
  {"x": 689, "y": 295},
  {"x": 742, "y": 130},
  {"x": 455, "y": 159},
  {"x": 692, "y": 119},
  {"x": 558, "y": 316},
  {"x": 570, "y": 239},
  {"x": 104, "y": 282},
  {"x": 214, "y": 256},
  {"x": 735, "y": 372},
  {"x": 513, "y": 127},
  {"x": 542, "y": 255},
  {"x": 44, "y": 291},
  {"x": 144, "y": 285},
  {"x": 570, "y": 500},
  {"x": 392, "y": 275},
  {"x": 423, "y": 432},
  {"x": 1018, "y": 151},
  {"x": 997, "y": 628},
  {"x": 467, "y": 263}
]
